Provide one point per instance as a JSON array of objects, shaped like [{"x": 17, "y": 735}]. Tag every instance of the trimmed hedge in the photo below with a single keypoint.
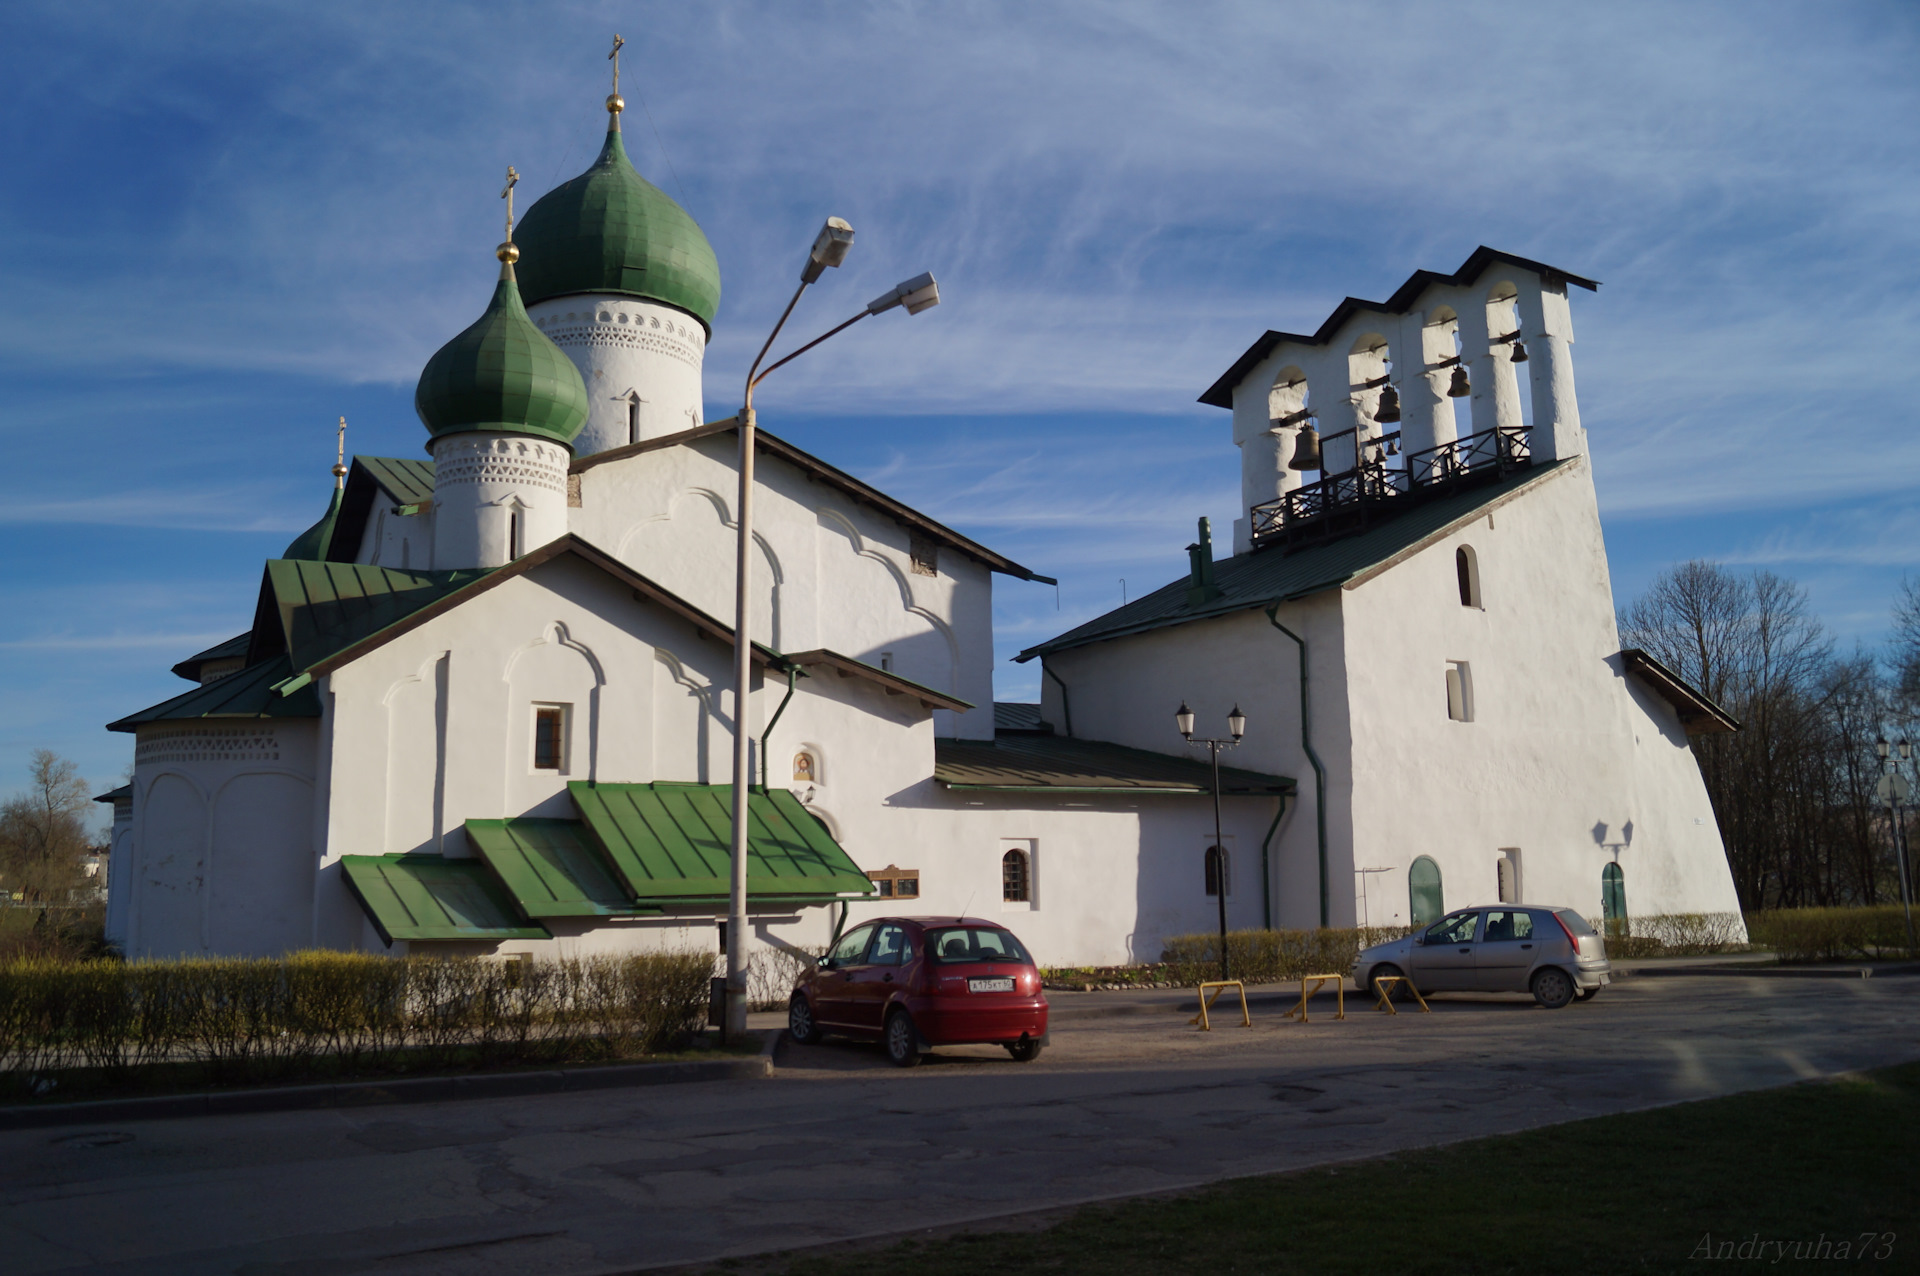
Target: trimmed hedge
[
  {"x": 244, "y": 1020},
  {"x": 1673, "y": 935},
  {"x": 1272, "y": 956},
  {"x": 1832, "y": 934}
]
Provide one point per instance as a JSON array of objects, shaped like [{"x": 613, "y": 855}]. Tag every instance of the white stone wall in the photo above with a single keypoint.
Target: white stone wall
[
  {"x": 640, "y": 360},
  {"x": 392, "y": 539},
  {"x": 495, "y": 497},
  {"x": 829, "y": 572},
  {"x": 220, "y": 857}
]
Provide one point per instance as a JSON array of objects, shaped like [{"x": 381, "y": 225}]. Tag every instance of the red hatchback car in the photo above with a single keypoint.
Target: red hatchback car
[{"x": 918, "y": 982}]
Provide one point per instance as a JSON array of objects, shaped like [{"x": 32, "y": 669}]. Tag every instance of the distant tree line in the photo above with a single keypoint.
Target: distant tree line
[{"x": 1794, "y": 789}]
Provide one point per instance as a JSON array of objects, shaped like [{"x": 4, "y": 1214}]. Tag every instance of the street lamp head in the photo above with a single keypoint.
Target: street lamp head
[
  {"x": 1237, "y": 722},
  {"x": 1183, "y": 718},
  {"x": 830, "y": 248},
  {"x": 1880, "y": 747},
  {"x": 916, "y": 294}
]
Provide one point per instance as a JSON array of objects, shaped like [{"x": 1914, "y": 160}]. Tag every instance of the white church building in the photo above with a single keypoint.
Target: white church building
[{"x": 485, "y": 704}]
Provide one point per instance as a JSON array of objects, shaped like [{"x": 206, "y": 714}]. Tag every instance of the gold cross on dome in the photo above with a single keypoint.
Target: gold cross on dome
[
  {"x": 340, "y": 456},
  {"x": 614, "y": 57},
  {"x": 506, "y": 193}
]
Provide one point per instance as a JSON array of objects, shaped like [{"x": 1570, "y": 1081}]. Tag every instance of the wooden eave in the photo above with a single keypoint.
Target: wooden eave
[{"x": 1699, "y": 715}]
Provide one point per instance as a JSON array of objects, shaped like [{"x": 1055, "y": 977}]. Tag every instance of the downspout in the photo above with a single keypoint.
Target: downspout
[
  {"x": 793, "y": 672},
  {"x": 1306, "y": 742},
  {"x": 1066, "y": 706},
  {"x": 1266, "y": 864}
]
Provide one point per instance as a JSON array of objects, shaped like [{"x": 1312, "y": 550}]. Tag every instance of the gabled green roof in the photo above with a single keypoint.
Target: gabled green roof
[
  {"x": 503, "y": 374},
  {"x": 672, "y": 843},
  {"x": 553, "y": 867},
  {"x": 313, "y": 542},
  {"x": 1267, "y": 576},
  {"x": 611, "y": 230},
  {"x": 247, "y": 694},
  {"x": 432, "y": 897},
  {"x": 400, "y": 480},
  {"x": 316, "y": 609}
]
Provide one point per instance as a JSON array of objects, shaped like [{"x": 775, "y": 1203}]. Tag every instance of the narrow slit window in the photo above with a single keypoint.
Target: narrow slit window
[
  {"x": 633, "y": 418},
  {"x": 513, "y": 535},
  {"x": 1219, "y": 871},
  {"x": 1467, "y": 568},
  {"x": 886, "y": 662},
  {"x": 550, "y": 738},
  {"x": 1459, "y": 691}
]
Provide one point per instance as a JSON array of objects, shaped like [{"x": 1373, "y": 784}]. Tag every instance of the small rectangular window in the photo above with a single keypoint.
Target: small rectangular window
[
  {"x": 550, "y": 737},
  {"x": 1459, "y": 691},
  {"x": 886, "y": 662},
  {"x": 894, "y": 882},
  {"x": 923, "y": 554}
]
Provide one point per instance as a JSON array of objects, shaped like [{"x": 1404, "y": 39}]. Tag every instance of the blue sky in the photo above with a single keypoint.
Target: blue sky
[{"x": 228, "y": 224}]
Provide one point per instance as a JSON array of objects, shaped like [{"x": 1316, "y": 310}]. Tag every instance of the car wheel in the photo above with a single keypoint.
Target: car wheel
[
  {"x": 1587, "y": 994},
  {"x": 1025, "y": 1050},
  {"x": 1552, "y": 988},
  {"x": 902, "y": 1049},
  {"x": 800, "y": 1023},
  {"x": 1377, "y": 973}
]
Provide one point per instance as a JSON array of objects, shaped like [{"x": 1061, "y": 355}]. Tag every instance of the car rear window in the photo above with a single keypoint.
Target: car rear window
[
  {"x": 956, "y": 944},
  {"x": 1573, "y": 921}
]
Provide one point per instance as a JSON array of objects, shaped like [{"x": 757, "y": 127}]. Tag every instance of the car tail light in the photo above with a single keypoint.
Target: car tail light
[{"x": 1568, "y": 932}]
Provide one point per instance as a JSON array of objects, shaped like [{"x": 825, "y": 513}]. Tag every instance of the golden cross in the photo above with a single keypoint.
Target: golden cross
[
  {"x": 506, "y": 193},
  {"x": 614, "y": 57},
  {"x": 340, "y": 456}
]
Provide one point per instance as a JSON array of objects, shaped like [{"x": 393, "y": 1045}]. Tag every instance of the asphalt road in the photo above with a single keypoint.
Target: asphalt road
[{"x": 1130, "y": 1099}]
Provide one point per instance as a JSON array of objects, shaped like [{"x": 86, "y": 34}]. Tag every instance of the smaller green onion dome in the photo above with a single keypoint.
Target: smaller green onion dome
[
  {"x": 611, "y": 230},
  {"x": 311, "y": 545},
  {"x": 502, "y": 374}
]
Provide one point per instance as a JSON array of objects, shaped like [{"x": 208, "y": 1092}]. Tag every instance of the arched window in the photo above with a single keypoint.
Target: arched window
[
  {"x": 1466, "y": 565},
  {"x": 1016, "y": 878},
  {"x": 1613, "y": 899},
  {"x": 804, "y": 771},
  {"x": 1219, "y": 869},
  {"x": 1426, "y": 904}
]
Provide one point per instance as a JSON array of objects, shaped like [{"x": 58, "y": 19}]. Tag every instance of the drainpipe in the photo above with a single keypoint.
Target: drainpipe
[
  {"x": 1066, "y": 706},
  {"x": 1306, "y": 742},
  {"x": 1266, "y": 864},
  {"x": 793, "y": 672}
]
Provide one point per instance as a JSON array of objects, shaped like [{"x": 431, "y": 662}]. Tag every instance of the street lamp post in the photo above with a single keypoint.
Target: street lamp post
[
  {"x": 830, "y": 248},
  {"x": 1216, "y": 854},
  {"x": 1893, "y": 789}
]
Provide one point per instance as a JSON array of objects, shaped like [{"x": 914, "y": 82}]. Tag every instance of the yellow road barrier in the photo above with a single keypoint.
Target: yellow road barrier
[
  {"x": 1219, "y": 986},
  {"x": 1339, "y": 983},
  {"x": 1383, "y": 993}
]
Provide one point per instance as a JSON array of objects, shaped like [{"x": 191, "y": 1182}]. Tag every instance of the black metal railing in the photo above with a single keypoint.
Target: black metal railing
[{"x": 1380, "y": 481}]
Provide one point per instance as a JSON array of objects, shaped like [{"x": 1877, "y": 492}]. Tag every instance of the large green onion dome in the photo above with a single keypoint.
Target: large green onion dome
[
  {"x": 610, "y": 230},
  {"x": 502, "y": 374}
]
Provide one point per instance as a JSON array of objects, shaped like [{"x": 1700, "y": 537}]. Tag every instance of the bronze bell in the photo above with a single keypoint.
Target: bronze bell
[
  {"x": 1306, "y": 454},
  {"x": 1388, "y": 410},
  {"x": 1519, "y": 351},
  {"x": 1459, "y": 387}
]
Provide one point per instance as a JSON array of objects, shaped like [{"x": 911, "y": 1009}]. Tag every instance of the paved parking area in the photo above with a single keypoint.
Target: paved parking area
[{"x": 1130, "y": 1099}]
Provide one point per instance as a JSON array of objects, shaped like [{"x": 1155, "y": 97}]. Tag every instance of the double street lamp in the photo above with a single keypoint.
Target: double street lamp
[
  {"x": 830, "y": 248},
  {"x": 1893, "y": 790},
  {"x": 1217, "y": 853}
]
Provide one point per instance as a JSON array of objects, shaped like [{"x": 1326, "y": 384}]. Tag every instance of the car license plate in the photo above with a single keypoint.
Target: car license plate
[{"x": 990, "y": 985}]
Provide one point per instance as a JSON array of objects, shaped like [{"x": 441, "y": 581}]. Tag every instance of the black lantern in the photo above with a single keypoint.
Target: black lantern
[
  {"x": 1237, "y": 723},
  {"x": 1183, "y": 718}
]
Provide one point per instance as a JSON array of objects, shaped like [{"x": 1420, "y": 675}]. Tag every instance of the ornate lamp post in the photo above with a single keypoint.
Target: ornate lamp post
[
  {"x": 1216, "y": 854},
  {"x": 830, "y": 248}
]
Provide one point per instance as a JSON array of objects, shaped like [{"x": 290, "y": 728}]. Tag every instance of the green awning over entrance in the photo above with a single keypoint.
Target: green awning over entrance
[
  {"x": 553, "y": 867},
  {"x": 431, "y": 897},
  {"x": 671, "y": 843}
]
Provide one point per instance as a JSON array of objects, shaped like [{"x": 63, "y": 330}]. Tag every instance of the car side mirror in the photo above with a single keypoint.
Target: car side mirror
[
  {"x": 1420, "y": 937},
  {"x": 826, "y": 963}
]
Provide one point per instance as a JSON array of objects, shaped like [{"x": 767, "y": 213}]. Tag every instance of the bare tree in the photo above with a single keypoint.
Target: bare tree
[{"x": 44, "y": 838}]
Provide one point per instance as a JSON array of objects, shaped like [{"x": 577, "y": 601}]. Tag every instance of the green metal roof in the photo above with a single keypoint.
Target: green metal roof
[
  {"x": 432, "y": 897},
  {"x": 234, "y": 648},
  {"x": 313, "y": 542},
  {"x": 553, "y": 867},
  {"x": 1025, "y": 762},
  {"x": 502, "y": 373},
  {"x": 1268, "y": 576},
  {"x": 399, "y": 480},
  {"x": 317, "y": 609},
  {"x": 408, "y": 481},
  {"x": 671, "y": 843},
  {"x": 246, "y": 694},
  {"x": 610, "y": 230}
]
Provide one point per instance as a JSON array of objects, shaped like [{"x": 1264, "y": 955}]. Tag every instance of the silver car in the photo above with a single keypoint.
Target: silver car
[{"x": 1549, "y": 952}]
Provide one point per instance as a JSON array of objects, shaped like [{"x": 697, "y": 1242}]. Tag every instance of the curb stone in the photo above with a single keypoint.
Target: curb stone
[{"x": 357, "y": 1094}]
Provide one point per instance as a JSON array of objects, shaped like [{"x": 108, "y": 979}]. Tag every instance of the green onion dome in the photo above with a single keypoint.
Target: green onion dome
[
  {"x": 610, "y": 230},
  {"x": 311, "y": 545},
  {"x": 502, "y": 374}
]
